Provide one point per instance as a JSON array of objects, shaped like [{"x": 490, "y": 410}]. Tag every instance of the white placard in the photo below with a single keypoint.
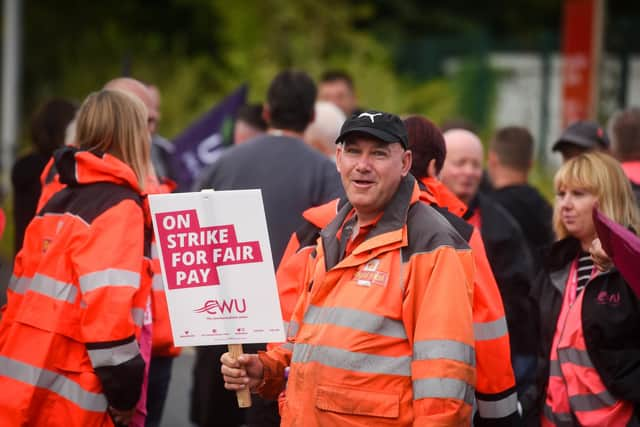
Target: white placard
[{"x": 217, "y": 267}]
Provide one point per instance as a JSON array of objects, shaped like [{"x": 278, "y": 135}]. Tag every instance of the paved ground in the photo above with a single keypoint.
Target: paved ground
[{"x": 176, "y": 411}]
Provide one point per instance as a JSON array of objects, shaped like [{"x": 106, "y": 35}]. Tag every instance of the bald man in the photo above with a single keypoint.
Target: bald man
[
  {"x": 462, "y": 169},
  {"x": 139, "y": 89},
  {"x": 161, "y": 148},
  {"x": 505, "y": 245}
]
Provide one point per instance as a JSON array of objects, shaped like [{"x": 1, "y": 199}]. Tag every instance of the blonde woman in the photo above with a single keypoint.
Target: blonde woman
[
  {"x": 590, "y": 320},
  {"x": 68, "y": 350}
]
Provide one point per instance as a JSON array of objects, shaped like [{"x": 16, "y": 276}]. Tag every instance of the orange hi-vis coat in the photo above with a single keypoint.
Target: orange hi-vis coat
[
  {"x": 162, "y": 338},
  {"x": 384, "y": 335},
  {"x": 50, "y": 181},
  {"x": 68, "y": 345},
  {"x": 496, "y": 395},
  {"x": 495, "y": 386},
  {"x": 290, "y": 273}
]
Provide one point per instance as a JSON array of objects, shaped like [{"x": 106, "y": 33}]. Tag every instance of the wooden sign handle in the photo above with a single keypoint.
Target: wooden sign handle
[{"x": 243, "y": 396}]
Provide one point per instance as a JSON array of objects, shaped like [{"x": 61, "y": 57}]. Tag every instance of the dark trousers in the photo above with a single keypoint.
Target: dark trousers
[
  {"x": 214, "y": 406},
  {"x": 159, "y": 377}
]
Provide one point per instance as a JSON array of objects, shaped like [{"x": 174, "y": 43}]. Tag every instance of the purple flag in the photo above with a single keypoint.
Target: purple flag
[
  {"x": 204, "y": 140},
  {"x": 622, "y": 246}
]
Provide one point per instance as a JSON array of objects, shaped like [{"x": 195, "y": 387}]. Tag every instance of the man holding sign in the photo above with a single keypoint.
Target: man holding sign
[
  {"x": 292, "y": 178},
  {"x": 384, "y": 333}
]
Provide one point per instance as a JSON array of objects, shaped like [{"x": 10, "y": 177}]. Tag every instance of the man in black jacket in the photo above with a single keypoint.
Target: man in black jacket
[{"x": 509, "y": 161}]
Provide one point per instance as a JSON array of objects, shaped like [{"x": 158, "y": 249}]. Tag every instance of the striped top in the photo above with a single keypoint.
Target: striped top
[{"x": 585, "y": 266}]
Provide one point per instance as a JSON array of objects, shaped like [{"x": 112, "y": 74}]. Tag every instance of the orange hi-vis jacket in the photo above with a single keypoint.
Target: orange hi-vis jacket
[
  {"x": 576, "y": 394},
  {"x": 50, "y": 181},
  {"x": 496, "y": 395},
  {"x": 162, "y": 339},
  {"x": 290, "y": 273},
  {"x": 68, "y": 345},
  {"x": 384, "y": 335},
  {"x": 495, "y": 386}
]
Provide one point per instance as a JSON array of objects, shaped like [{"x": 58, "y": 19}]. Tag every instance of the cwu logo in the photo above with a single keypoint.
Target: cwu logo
[{"x": 214, "y": 306}]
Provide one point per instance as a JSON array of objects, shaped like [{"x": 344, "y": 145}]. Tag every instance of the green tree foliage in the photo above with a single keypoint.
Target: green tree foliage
[{"x": 198, "y": 51}]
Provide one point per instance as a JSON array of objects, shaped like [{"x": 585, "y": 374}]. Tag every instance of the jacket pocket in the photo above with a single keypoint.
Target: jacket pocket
[{"x": 356, "y": 402}]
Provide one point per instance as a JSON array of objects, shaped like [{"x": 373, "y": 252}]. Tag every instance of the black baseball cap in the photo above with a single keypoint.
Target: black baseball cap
[
  {"x": 386, "y": 127},
  {"x": 585, "y": 134}
]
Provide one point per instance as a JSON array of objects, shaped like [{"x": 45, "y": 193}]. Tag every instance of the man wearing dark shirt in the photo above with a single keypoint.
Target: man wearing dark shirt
[{"x": 509, "y": 162}]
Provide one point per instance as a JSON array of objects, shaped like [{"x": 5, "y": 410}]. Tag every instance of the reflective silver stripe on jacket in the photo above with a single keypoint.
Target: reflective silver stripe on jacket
[
  {"x": 560, "y": 419},
  {"x": 53, "y": 382},
  {"x": 114, "y": 356},
  {"x": 287, "y": 345},
  {"x": 498, "y": 408},
  {"x": 575, "y": 356},
  {"x": 582, "y": 402},
  {"x": 484, "y": 331},
  {"x": 591, "y": 402},
  {"x": 154, "y": 250},
  {"x": 352, "y": 361},
  {"x": 355, "y": 319},
  {"x": 292, "y": 328},
  {"x": 443, "y": 388},
  {"x": 109, "y": 277},
  {"x": 444, "y": 349},
  {"x": 19, "y": 285},
  {"x": 138, "y": 316},
  {"x": 554, "y": 368},
  {"x": 157, "y": 282},
  {"x": 44, "y": 285}
]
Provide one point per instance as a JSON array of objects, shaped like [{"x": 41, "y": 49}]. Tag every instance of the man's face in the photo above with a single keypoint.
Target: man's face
[
  {"x": 462, "y": 169},
  {"x": 339, "y": 93},
  {"x": 371, "y": 171}
]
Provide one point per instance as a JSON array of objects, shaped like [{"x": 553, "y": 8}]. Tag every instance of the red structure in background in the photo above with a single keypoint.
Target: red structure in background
[{"x": 581, "y": 48}]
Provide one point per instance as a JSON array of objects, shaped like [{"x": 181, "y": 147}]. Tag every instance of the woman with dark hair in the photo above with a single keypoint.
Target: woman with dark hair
[
  {"x": 68, "y": 349},
  {"x": 48, "y": 128}
]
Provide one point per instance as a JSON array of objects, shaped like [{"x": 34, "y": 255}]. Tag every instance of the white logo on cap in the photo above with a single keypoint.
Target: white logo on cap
[{"x": 371, "y": 116}]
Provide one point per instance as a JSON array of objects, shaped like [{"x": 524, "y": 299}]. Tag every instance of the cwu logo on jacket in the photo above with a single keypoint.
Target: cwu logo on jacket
[{"x": 369, "y": 275}]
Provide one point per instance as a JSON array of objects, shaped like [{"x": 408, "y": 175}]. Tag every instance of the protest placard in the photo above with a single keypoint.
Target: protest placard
[{"x": 217, "y": 268}]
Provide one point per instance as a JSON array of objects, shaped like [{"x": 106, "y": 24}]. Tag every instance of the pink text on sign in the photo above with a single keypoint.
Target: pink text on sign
[{"x": 192, "y": 254}]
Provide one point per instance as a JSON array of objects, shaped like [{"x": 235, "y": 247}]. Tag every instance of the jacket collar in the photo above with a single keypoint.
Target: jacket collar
[
  {"x": 441, "y": 195},
  {"x": 78, "y": 167},
  {"x": 562, "y": 253},
  {"x": 320, "y": 216},
  {"x": 391, "y": 223}
]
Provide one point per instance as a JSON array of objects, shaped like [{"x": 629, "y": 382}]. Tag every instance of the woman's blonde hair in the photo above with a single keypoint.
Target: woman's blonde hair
[
  {"x": 114, "y": 122},
  {"x": 601, "y": 175}
]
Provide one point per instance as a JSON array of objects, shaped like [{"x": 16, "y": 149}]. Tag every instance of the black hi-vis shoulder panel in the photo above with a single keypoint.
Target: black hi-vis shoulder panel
[
  {"x": 89, "y": 201},
  {"x": 463, "y": 228},
  {"x": 307, "y": 235},
  {"x": 428, "y": 230}
]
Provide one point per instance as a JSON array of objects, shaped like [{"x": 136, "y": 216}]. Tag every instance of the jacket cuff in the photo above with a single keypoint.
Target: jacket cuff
[
  {"x": 120, "y": 368},
  {"x": 274, "y": 380}
]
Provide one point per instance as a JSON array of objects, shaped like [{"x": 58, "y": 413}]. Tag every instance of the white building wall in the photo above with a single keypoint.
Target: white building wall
[{"x": 519, "y": 93}]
